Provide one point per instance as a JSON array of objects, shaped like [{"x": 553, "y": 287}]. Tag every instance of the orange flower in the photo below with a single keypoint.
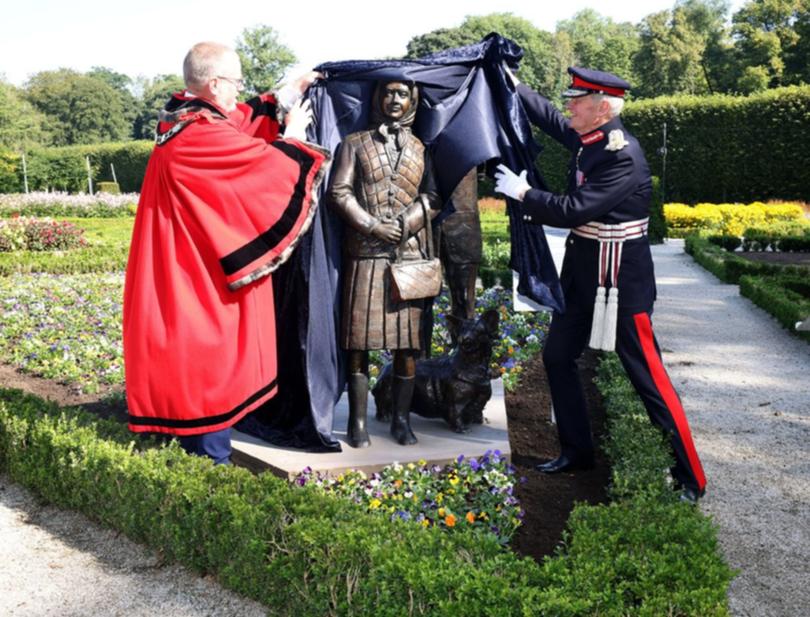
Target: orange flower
[
  {"x": 470, "y": 518},
  {"x": 450, "y": 520},
  {"x": 397, "y": 483}
]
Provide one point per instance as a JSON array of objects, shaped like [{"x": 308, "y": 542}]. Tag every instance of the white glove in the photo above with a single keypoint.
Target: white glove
[
  {"x": 291, "y": 92},
  {"x": 297, "y": 120},
  {"x": 510, "y": 184}
]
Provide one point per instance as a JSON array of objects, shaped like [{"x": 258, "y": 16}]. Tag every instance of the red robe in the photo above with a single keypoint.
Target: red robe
[{"x": 222, "y": 206}]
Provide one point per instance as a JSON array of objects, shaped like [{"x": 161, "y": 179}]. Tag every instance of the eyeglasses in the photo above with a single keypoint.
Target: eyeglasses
[{"x": 239, "y": 84}]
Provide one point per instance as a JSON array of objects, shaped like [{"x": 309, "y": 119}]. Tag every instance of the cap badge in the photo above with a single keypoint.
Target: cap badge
[{"x": 616, "y": 141}]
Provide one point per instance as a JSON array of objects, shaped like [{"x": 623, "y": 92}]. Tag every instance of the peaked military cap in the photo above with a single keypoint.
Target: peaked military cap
[{"x": 587, "y": 81}]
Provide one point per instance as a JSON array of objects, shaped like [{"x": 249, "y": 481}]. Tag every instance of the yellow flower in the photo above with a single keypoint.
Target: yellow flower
[
  {"x": 374, "y": 503},
  {"x": 441, "y": 512},
  {"x": 470, "y": 518},
  {"x": 439, "y": 497},
  {"x": 453, "y": 480},
  {"x": 450, "y": 520},
  {"x": 425, "y": 523},
  {"x": 421, "y": 462}
]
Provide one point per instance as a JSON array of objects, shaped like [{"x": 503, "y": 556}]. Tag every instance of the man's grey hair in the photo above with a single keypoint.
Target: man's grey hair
[
  {"x": 202, "y": 64},
  {"x": 616, "y": 103}
]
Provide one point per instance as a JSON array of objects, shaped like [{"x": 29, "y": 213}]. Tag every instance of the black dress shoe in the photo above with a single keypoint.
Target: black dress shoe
[{"x": 563, "y": 463}]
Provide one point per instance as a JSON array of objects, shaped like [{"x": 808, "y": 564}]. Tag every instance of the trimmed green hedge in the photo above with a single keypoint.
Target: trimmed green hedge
[
  {"x": 729, "y": 267},
  {"x": 76, "y": 261},
  {"x": 644, "y": 554},
  {"x": 65, "y": 168},
  {"x": 786, "y": 297},
  {"x": 782, "y": 291},
  {"x": 719, "y": 148},
  {"x": 284, "y": 546}
]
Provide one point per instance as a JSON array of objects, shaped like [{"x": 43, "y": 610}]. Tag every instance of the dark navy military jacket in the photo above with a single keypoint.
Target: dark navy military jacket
[{"x": 606, "y": 186}]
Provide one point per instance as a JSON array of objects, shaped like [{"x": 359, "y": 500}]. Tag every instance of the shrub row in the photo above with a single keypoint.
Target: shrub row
[
  {"x": 65, "y": 168},
  {"x": 306, "y": 553},
  {"x": 681, "y": 573},
  {"x": 782, "y": 291},
  {"x": 293, "y": 549},
  {"x": 786, "y": 297},
  {"x": 788, "y": 237},
  {"x": 729, "y": 267},
  {"x": 718, "y": 148},
  {"x": 77, "y": 261},
  {"x": 730, "y": 219}
]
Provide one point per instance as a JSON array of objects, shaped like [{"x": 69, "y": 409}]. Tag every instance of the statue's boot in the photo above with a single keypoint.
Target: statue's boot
[
  {"x": 357, "y": 434},
  {"x": 401, "y": 395}
]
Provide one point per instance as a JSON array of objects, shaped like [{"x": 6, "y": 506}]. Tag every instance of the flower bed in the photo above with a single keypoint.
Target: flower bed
[
  {"x": 61, "y": 204},
  {"x": 469, "y": 495},
  {"x": 727, "y": 219},
  {"x": 32, "y": 234},
  {"x": 66, "y": 328}
]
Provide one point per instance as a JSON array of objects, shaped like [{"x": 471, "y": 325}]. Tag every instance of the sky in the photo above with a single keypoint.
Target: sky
[{"x": 151, "y": 37}]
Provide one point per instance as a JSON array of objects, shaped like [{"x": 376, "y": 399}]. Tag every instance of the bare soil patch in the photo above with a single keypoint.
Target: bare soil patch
[{"x": 548, "y": 499}]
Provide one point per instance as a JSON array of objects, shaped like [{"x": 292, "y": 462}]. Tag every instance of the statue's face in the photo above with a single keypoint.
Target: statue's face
[{"x": 396, "y": 100}]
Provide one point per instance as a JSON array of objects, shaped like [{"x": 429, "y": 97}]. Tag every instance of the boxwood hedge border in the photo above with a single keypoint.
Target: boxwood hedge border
[{"x": 302, "y": 552}]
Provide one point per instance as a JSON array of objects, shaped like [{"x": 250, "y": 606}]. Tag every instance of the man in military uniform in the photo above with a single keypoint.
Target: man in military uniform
[
  {"x": 607, "y": 274},
  {"x": 383, "y": 188}
]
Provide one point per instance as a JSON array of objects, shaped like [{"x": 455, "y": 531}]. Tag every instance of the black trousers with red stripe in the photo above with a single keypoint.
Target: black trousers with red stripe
[{"x": 638, "y": 350}]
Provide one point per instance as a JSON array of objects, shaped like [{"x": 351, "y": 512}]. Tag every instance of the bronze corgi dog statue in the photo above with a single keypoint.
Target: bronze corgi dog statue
[{"x": 455, "y": 387}]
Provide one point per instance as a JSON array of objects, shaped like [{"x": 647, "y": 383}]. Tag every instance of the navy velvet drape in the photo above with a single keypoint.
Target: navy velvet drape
[{"x": 469, "y": 114}]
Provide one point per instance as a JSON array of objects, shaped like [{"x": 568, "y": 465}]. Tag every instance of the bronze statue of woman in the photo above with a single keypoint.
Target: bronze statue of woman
[{"x": 382, "y": 186}]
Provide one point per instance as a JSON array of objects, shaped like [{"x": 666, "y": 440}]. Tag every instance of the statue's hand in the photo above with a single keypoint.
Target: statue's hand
[{"x": 387, "y": 232}]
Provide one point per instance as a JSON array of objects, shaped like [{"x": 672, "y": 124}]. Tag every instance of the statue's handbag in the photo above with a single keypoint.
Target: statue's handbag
[{"x": 413, "y": 279}]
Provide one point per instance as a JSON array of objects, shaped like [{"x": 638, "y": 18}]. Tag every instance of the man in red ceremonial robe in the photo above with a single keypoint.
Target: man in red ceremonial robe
[{"x": 224, "y": 202}]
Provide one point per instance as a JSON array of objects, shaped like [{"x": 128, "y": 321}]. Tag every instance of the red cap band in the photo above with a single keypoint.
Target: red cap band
[{"x": 581, "y": 84}]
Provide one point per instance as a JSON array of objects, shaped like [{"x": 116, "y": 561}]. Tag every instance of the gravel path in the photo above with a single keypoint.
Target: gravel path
[
  {"x": 745, "y": 386},
  {"x": 58, "y": 563}
]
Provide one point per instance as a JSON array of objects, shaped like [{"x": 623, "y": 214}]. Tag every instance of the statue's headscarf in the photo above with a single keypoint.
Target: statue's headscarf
[{"x": 385, "y": 124}]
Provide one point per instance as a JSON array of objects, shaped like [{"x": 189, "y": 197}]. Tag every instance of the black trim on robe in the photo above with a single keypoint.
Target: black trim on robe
[
  {"x": 270, "y": 239},
  {"x": 206, "y": 421}
]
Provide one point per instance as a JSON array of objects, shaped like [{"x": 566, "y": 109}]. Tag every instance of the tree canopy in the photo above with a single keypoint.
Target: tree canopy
[
  {"x": 544, "y": 63},
  {"x": 21, "y": 125},
  {"x": 264, "y": 58},
  {"x": 80, "y": 109},
  {"x": 156, "y": 92},
  {"x": 695, "y": 47}
]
